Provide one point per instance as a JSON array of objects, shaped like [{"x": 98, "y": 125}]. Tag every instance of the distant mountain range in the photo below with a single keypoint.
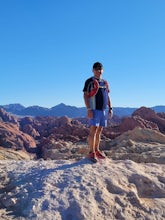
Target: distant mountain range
[{"x": 70, "y": 111}]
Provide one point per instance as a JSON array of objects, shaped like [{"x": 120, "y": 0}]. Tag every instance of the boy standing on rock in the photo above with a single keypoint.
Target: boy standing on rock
[{"x": 96, "y": 98}]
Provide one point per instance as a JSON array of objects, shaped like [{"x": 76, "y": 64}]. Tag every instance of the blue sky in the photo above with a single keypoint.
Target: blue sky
[{"x": 48, "y": 47}]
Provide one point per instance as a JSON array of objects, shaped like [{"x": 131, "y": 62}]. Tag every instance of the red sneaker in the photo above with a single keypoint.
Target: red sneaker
[
  {"x": 100, "y": 155},
  {"x": 92, "y": 157}
]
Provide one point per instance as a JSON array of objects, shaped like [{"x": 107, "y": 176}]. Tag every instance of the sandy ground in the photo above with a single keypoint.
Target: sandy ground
[{"x": 81, "y": 190}]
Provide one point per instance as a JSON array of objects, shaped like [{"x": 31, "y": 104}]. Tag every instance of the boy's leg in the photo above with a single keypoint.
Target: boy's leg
[
  {"x": 96, "y": 126},
  {"x": 92, "y": 138},
  {"x": 99, "y": 154},
  {"x": 98, "y": 138}
]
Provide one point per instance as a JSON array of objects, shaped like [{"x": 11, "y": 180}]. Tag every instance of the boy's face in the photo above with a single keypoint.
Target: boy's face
[{"x": 98, "y": 72}]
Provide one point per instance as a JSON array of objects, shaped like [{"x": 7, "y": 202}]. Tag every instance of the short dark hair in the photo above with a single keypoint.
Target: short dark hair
[{"x": 97, "y": 65}]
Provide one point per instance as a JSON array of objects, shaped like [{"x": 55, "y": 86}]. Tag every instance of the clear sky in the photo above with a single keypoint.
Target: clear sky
[{"x": 48, "y": 47}]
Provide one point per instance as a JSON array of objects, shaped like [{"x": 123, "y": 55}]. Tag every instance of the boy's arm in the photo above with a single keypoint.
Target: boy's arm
[
  {"x": 86, "y": 100},
  {"x": 110, "y": 107}
]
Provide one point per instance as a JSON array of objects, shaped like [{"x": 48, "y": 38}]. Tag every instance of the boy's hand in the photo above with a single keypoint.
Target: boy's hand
[
  {"x": 110, "y": 113},
  {"x": 89, "y": 113}
]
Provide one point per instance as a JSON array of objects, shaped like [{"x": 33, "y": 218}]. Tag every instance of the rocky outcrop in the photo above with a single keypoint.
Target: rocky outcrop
[
  {"x": 63, "y": 137},
  {"x": 27, "y": 125},
  {"x": 161, "y": 115},
  {"x": 7, "y": 117},
  {"x": 136, "y": 121},
  {"x": 149, "y": 115},
  {"x": 139, "y": 145},
  {"x": 143, "y": 118},
  {"x": 60, "y": 143},
  {"x": 10, "y": 154},
  {"x": 11, "y": 137}
]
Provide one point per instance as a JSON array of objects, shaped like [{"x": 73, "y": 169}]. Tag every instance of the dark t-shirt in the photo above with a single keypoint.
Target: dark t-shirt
[{"x": 100, "y": 98}]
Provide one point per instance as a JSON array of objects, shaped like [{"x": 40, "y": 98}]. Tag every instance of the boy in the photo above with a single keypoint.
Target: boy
[{"x": 96, "y": 98}]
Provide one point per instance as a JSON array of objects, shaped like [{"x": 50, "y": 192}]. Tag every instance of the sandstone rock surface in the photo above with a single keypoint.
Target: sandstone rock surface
[{"x": 64, "y": 190}]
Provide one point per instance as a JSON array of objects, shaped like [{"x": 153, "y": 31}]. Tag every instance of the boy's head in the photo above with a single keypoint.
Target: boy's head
[
  {"x": 97, "y": 69},
  {"x": 97, "y": 66}
]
